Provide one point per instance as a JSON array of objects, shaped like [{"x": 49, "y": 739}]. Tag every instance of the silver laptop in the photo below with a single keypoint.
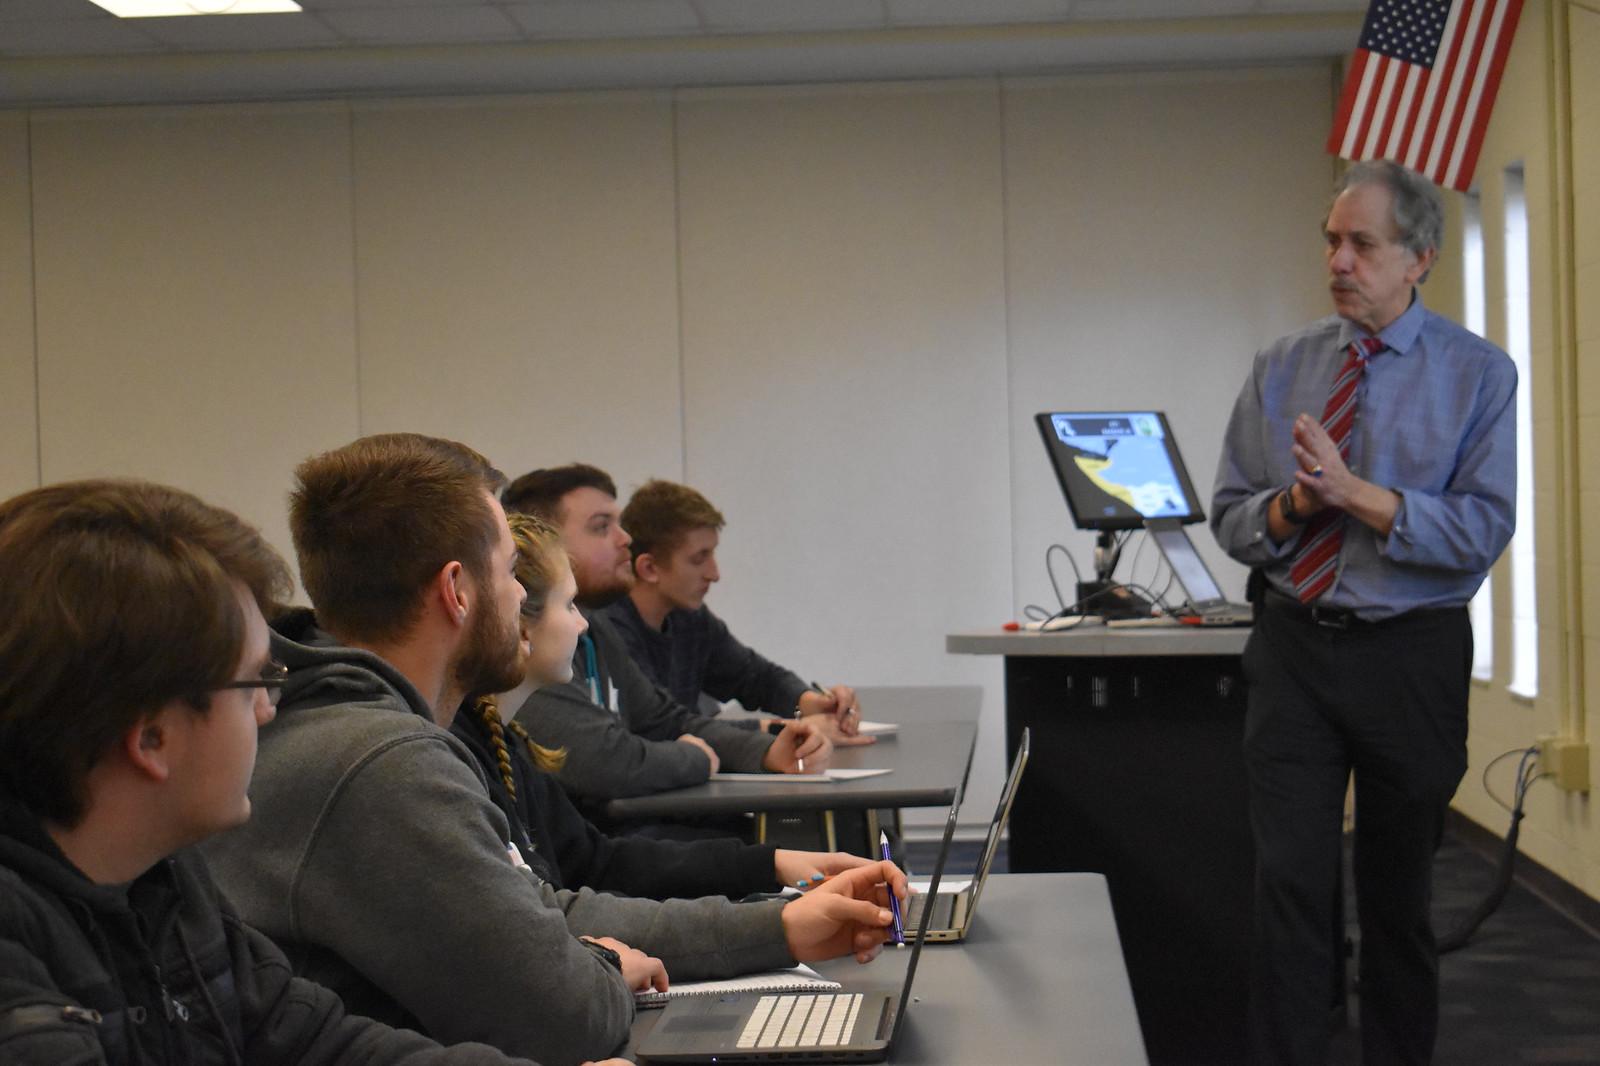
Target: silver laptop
[
  {"x": 811, "y": 1026},
  {"x": 1206, "y": 602},
  {"x": 947, "y": 916}
]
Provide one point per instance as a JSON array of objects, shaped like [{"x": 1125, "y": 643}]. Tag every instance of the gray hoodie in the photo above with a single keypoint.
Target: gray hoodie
[{"x": 377, "y": 859}]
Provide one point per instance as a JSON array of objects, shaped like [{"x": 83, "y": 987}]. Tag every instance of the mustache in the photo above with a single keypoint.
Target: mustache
[{"x": 1341, "y": 285}]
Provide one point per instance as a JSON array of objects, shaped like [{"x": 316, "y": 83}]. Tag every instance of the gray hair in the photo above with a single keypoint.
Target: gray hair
[{"x": 1418, "y": 207}]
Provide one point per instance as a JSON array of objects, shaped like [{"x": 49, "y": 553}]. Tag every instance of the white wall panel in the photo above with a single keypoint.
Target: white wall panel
[
  {"x": 1160, "y": 230},
  {"x": 518, "y": 279},
  {"x": 19, "y": 441},
  {"x": 195, "y": 308},
  {"x": 844, "y": 352}
]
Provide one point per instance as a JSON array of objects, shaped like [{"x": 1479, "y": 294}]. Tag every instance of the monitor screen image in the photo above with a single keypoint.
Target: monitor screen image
[{"x": 1118, "y": 468}]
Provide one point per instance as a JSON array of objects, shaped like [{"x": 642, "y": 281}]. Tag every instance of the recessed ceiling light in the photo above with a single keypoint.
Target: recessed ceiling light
[{"x": 141, "y": 9}]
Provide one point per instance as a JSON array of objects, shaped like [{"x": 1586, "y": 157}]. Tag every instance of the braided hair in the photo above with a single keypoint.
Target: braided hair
[
  {"x": 487, "y": 708},
  {"x": 539, "y": 565}
]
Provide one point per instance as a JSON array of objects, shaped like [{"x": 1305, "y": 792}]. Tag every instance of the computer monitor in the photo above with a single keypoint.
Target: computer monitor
[{"x": 1118, "y": 468}]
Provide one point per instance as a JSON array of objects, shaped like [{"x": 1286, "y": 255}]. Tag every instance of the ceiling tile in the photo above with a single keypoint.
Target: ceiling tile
[
  {"x": 423, "y": 25},
  {"x": 765, "y": 16},
  {"x": 241, "y": 32},
  {"x": 606, "y": 18},
  {"x": 1160, "y": 9},
  {"x": 1279, "y": 7},
  {"x": 74, "y": 37},
  {"x": 930, "y": 12}
]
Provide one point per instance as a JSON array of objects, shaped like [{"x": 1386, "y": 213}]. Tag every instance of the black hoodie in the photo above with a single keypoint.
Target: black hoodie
[{"x": 161, "y": 971}]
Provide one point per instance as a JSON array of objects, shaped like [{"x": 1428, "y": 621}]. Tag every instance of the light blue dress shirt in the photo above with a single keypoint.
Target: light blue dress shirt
[{"x": 1436, "y": 422}]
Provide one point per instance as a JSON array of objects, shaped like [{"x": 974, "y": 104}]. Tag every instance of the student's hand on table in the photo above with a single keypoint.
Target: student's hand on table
[
  {"x": 610, "y": 1062},
  {"x": 839, "y": 703},
  {"x": 798, "y": 740},
  {"x": 807, "y": 869},
  {"x": 641, "y": 972},
  {"x": 832, "y": 727},
  {"x": 696, "y": 742},
  {"x": 847, "y": 914}
]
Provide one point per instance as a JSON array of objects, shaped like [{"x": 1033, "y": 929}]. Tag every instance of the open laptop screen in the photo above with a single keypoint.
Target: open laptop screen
[{"x": 1198, "y": 585}]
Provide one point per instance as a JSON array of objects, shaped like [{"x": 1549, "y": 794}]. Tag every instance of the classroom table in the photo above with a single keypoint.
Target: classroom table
[
  {"x": 1040, "y": 979},
  {"x": 928, "y": 759}
]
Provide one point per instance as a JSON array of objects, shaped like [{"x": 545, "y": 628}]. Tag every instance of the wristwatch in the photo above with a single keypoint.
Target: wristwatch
[
  {"x": 1286, "y": 506},
  {"x": 605, "y": 953}
]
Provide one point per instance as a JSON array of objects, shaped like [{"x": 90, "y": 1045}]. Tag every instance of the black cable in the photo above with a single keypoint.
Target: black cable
[
  {"x": 1496, "y": 761},
  {"x": 1457, "y": 938},
  {"x": 1033, "y": 612}
]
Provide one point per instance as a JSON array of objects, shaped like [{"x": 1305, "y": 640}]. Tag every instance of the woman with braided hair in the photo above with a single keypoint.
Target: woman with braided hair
[{"x": 552, "y": 835}]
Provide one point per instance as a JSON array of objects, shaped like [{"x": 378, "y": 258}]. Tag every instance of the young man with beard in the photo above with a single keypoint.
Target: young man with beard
[
  {"x": 134, "y": 673},
  {"x": 624, "y": 735},
  {"x": 379, "y": 857}
]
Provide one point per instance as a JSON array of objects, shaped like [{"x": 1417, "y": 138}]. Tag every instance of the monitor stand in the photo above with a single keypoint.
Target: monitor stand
[{"x": 1105, "y": 597}]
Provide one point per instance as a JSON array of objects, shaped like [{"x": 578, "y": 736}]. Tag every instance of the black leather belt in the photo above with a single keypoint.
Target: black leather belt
[{"x": 1340, "y": 617}]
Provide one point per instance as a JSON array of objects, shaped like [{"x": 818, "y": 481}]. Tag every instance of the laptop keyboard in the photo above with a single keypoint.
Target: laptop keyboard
[
  {"x": 944, "y": 908},
  {"x": 801, "y": 1021}
]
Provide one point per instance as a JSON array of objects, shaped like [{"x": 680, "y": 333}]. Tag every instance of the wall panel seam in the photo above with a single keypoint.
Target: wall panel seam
[
  {"x": 1005, "y": 287},
  {"x": 33, "y": 303},
  {"x": 355, "y": 271},
  {"x": 677, "y": 265}
]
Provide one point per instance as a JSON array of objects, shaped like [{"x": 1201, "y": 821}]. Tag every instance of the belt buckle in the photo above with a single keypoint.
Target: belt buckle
[{"x": 1330, "y": 618}]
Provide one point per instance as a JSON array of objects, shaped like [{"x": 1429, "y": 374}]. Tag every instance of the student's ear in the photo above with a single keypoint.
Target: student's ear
[
  {"x": 451, "y": 592},
  {"x": 147, "y": 745},
  {"x": 645, "y": 568}
]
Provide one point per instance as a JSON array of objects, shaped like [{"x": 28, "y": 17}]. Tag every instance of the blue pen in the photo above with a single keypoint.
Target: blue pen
[{"x": 899, "y": 928}]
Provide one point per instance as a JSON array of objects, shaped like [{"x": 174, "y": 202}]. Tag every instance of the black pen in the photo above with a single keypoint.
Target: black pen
[{"x": 843, "y": 712}]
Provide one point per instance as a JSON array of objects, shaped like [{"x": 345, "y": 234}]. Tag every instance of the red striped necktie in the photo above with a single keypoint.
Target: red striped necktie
[{"x": 1316, "y": 560}]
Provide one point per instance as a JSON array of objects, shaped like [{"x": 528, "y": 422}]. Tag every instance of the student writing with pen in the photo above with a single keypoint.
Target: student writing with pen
[{"x": 681, "y": 645}]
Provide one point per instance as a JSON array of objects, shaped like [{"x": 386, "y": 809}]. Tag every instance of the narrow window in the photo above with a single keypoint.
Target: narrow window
[
  {"x": 1519, "y": 341},
  {"x": 1474, "y": 299}
]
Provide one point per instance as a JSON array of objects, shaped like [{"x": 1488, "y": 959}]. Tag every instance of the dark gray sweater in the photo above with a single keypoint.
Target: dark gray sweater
[
  {"x": 377, "y": 858},
  {"x": 634, "y": 750}
]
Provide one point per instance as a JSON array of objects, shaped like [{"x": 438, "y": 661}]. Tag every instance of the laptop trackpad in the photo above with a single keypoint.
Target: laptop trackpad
[{"x": 702, "y": 1023}]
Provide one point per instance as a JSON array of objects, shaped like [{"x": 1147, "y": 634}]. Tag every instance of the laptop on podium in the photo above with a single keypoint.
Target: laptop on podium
[
  {"x": 744, "y": 1027},
  {"x": 1206, "y": 603}
]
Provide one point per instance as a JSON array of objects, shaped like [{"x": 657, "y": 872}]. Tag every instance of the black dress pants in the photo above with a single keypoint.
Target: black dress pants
[{"x": 1388, "y": 701}]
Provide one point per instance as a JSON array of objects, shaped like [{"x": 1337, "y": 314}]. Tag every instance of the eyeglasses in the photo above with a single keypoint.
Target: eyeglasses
[{"x": 273, "y": 677}]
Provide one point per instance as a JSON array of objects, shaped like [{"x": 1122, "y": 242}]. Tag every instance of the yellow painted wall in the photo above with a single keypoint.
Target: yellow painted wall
[{"x": 1560, "y": 153}]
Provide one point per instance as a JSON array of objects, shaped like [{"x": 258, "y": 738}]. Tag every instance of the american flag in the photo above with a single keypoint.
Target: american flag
[{"x": 1422, "y": 84}]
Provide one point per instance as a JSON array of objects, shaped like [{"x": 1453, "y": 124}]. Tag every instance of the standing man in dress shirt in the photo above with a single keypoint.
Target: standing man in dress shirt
[{"x": 1373, "y": 526}]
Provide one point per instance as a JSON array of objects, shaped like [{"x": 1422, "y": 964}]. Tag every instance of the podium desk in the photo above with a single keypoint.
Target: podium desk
[
  {"x": 1039, "y": 980},
  {"x": 1138, "y": 773}
]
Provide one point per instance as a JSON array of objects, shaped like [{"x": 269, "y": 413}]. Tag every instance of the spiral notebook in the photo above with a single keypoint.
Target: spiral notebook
[{"x": 801, "y": 978}]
